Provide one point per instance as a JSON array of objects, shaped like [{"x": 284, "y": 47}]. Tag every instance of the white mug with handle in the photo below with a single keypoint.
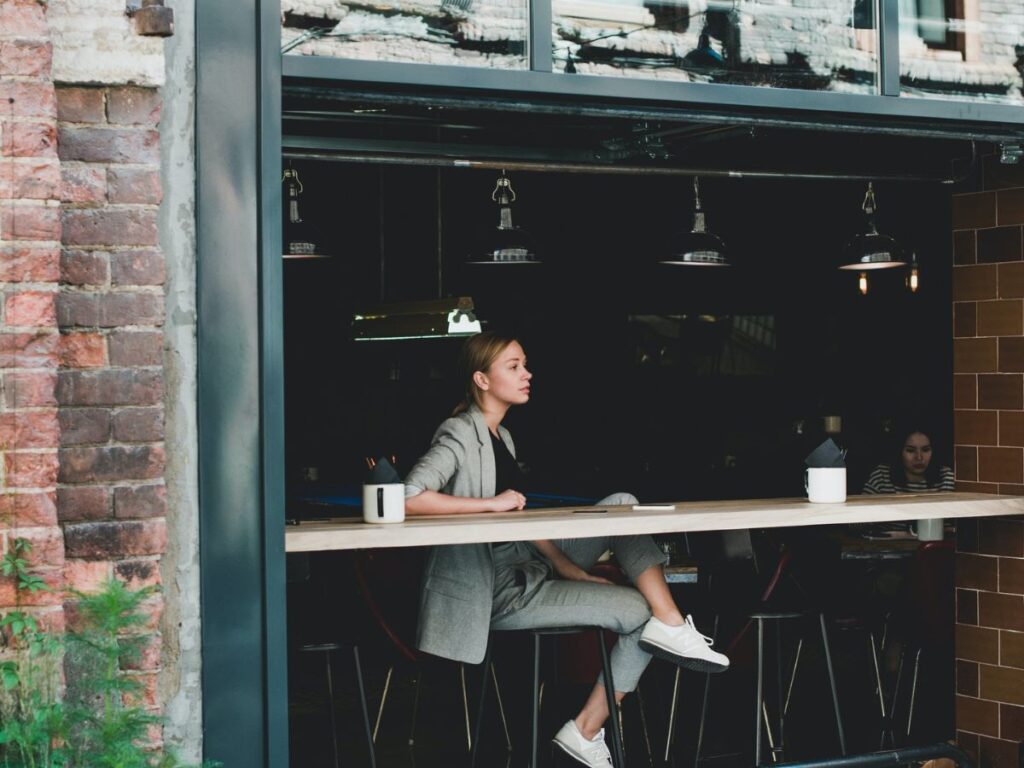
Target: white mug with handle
[
  {"x": 929, "y": 529},
  {"x": 384, "y": 503},
  {"x": 825, "y": 485}
]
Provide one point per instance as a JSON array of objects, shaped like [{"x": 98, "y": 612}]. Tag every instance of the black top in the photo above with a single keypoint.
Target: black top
[{"x": 507, "y": 473}]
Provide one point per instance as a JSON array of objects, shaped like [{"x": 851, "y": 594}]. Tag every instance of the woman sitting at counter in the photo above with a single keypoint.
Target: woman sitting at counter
[
  {"x": 914, "y": 470},
  {"x": 472, "y": 588}
]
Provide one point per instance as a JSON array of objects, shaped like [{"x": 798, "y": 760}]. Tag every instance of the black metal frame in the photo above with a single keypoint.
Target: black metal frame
[{"x": 240, "y": 73}]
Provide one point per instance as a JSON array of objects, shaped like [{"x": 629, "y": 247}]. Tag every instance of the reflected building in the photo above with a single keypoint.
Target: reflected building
[{"x": 961, "y": 49}]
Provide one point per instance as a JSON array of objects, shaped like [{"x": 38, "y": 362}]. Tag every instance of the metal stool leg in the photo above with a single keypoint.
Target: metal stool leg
[
  {"x": 832, "y": 684},
  {"x": 913, "y": 690},
  {"x": 670, "y": 733},
  {"x": 779, "y": 742},
  {"x": 480, "y": 706},
  {"x": 362, "y": 703},
  {"x": 383, "y": 699},
  {"x": 703, "y": 706},
  {"x": 330, "y": 703},
  {"x": 535, "y": 704},
  {"x": 501, "y": 708},
  {"x": 759, "y": 703},
  {"x": 613, "y": 709},
  {"x": 415, "y": 706}
]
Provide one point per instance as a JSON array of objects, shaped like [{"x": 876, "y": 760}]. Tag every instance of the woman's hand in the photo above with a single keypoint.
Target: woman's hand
[{"x": 507, "y": 501}]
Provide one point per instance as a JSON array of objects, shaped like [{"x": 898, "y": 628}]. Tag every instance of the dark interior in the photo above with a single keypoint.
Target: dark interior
[{"x": 674, "y": 382}]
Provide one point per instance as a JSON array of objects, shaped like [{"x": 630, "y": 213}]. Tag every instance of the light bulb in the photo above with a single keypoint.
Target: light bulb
[
  {"x": 862, "y": 283},
  {"x": 915, "y": 281}
]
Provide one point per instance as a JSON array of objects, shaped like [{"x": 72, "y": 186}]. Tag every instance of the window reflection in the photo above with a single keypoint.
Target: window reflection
[
  {"x": 478, "y": 33},
  {"x": 807, "y": 44},
  {"x": 961, "y": 49}
]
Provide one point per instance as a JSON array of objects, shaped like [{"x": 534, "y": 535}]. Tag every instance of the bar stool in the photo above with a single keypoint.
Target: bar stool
[
  {"x": 609, "y": 687},
  {"x": 328, "y": 649}
]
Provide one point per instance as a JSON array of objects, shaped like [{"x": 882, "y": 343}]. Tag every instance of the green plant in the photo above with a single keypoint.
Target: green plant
[{"x": 95, "y": 723}]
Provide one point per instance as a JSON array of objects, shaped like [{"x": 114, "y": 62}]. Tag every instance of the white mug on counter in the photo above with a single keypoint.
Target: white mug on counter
[
  {"x": 384, "y": 503},
  {"x": 825, "y": 485},
  {"x": 931, "y": 529}
]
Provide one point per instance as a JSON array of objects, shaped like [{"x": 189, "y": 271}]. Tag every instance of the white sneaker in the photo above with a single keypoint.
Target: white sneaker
[
  {"x": 591, "y": 752},
  {"x": 682, "y": 645}
]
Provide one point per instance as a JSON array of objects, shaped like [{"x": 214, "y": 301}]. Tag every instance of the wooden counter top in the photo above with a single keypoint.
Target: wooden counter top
[{"x": 564, "y": 522}]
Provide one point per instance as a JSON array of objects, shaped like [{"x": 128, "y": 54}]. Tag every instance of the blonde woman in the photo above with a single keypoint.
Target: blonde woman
[{"x": 472, "y": 588}]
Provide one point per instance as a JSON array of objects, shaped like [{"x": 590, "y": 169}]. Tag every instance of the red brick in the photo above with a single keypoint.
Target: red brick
[
  {"x": 966, "y": 678},
  {"x": 975, "y": 283},
  {"x": 965, "y": 391},
  {"x": 28, "y": 350},
  {"x": 964, "y": 247},
  {"x": 80, "y": 105},
  {"x": 30, "y": 390},
  {"x": 133, "y": 106},
  {"x": 113, "y": 540},
  {"x": 22, "y": 221},
  {"x": 87, "y": 576},
  {"x": 1011, "y": 575},
  {"x": 1001, "y": 465},
  {"x": 141, "y": 267},
  {"x": 54, "y": 579},
  {"x": 146, "y": 692},
  {"x": 974, "y": 210},
  {"x": 1002, "y": 612},
  {"x": 107, "y": 387},
  {"x": 28, "y": 264},
  {"x": 28, "y": 139},
  {"x": 975, "y": 427},
  {"x": 142, "y": 501},
  {"x": 29, "y": 509},
  {"x": 84, "y": 425},
  {"x": 137, "y": 574},
  {"x": 139, "y": 425},
  {"x": 23, "y": 19},
  {"x": 977, "y": 715},
  {"x": 109, "y": 145},
  {"x": 31, "y": 470},
  {"x": 1001, "y": 537},
  {"x": 1011, "y": 722},
  {"x": 1011, "y": 428},
  {"x": 965, "y": 319},
  {"x": 30, "y": 99},
  {"x": 1010, "y": 205},
  {"x": 998, "y": 753},
  {"x": 29, "y": 179},
  {"x": 977, "y": 644},
  {"x": 977, "y": 572},
  {"x": 85, "y": 502},
  {"x": 26, "y": 58},
  {"x": 135, "y": 348},
  {"x": 1000, "y": 244},
  {"x": 966, "y": 464},
  {"x": 83, "y": 350},
  {"x": 1003, "y": 317},
  {"x": 1011, "y": 355},
  {"x": 1011, "y": 280},
  {"x": 1011, "y": 649},
  {"x": 146, "y": 656},
  {"x": 47, "y": 546},
  {"x": 109, "y": 463},
  {"x": 134, "y": 185},
  {"x": 29, "y": 429},
  {"x": 31, "y": 309},
  {"x": 975, "y": 355},
  {"x": 967, "y": 609},
  {"x": 81, "y": 183},
  {"x": 109, "y": 226},
  {"x": 84, "y": 267},
  {"x": 109, "y": 310}
]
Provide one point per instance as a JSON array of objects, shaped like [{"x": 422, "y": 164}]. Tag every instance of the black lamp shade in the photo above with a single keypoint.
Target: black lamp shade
[{"x": 872, "y": 250}]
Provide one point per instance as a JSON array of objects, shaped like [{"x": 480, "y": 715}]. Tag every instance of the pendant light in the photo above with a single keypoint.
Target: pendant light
[
  {"x": 508, "y": 243},
  {"x": 698, "y": 247},
  {"x": 913, "y": 278},
  {"x": 869, "y": 249}
]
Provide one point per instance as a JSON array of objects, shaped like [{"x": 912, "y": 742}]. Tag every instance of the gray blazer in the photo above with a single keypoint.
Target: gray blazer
[{"x": 458, "y": 581}]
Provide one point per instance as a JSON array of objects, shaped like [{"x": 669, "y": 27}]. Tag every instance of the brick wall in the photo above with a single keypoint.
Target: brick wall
[
  {"x": 30, "y": 232},
  {"x": 988, "y": 395},
  {"x": 111, "y": 493}
]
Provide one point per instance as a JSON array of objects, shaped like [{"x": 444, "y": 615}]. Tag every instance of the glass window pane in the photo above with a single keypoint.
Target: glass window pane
[
  {"x": 475, "y": 33},
  {"x": 962, "y": 49},
  {"x": 824, "y": 45}
]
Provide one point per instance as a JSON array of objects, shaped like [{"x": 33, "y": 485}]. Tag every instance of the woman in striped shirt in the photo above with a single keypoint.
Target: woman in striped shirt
[{"x": 914, "y": 471}]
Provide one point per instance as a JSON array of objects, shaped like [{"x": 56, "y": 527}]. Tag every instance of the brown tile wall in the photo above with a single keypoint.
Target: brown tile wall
[{"x": 988, "y": 402}]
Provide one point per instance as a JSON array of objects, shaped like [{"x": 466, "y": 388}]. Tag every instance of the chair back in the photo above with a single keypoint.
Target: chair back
[{"x": 389, "y": 583}]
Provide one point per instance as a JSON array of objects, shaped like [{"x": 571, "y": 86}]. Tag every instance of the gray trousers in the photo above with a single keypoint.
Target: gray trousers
[{"x": 623, "y": 610}]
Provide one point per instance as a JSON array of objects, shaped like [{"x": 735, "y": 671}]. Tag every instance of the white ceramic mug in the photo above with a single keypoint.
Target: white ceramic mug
[
  {"x": 931, "y": 529},
  {"x": 384, "y": 503},
  {"x": 825, "y": 485}
]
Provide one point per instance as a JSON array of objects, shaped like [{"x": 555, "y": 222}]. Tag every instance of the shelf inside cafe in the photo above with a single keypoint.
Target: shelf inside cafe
[{"x": 701, "y": 387}]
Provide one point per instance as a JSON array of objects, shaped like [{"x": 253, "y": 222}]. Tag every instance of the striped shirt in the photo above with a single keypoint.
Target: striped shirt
[{"x": 880, "y": 481}]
